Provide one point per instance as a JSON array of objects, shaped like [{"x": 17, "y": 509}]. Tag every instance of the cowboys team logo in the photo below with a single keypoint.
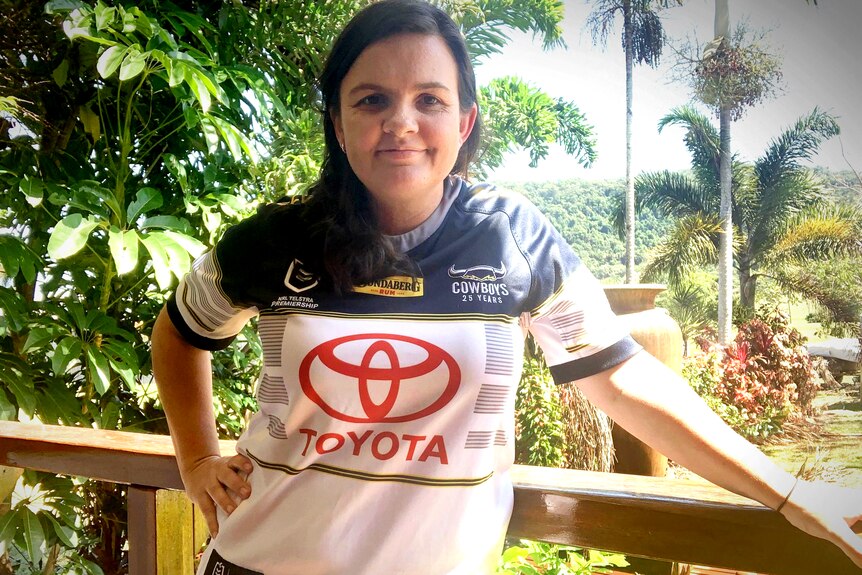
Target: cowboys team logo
[
  {"x": 298, "y": 279},
  {"x": 479, "y": 273}
]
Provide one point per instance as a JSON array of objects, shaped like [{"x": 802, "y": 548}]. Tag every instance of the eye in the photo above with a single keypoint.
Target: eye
[
  {"x": 430, "y": 100},
  {"x": 372, "y": 100}
]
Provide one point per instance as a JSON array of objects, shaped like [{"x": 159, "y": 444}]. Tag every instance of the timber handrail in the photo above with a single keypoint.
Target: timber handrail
[{"x": 675, "y": 520}]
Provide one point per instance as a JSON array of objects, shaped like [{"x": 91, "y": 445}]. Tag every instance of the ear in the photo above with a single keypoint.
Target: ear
[
  {"x": 468, "y": 119},
  {"x": 336, "y": 123}
]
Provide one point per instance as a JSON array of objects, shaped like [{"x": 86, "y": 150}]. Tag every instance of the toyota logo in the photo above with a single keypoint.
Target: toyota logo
[{"x": 396, "y": 360}]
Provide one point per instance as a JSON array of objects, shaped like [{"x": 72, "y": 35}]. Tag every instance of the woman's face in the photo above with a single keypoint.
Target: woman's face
[{"x": 400, "y": 122}]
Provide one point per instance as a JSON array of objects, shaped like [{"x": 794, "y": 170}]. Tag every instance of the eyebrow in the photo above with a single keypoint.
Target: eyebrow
[{"x": 378, "y": 88}]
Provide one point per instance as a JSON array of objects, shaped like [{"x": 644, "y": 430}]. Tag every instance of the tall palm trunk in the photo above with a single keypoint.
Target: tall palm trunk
[
  {"x": 725, "y": 256},
  {"x": 747, "y": 282},
  {"x": 630, "y": 183}
]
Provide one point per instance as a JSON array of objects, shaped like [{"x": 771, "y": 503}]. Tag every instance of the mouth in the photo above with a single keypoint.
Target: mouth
[{"x": 399, "y": 153}]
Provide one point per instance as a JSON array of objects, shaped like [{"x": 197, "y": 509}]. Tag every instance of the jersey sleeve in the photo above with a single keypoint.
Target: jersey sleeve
[
  {"x": 570, "y": 317},
  {"x": 211, "y": 304}
]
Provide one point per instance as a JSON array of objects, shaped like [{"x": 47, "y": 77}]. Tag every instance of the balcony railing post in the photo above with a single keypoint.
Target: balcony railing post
[{"x": 142, "y": 530}]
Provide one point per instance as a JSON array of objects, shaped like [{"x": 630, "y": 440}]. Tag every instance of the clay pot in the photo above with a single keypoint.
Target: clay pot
[{"x": 659, "y": 334}]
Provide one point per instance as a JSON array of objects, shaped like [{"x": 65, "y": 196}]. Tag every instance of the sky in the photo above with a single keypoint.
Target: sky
[{"x": 821, "y": 51}]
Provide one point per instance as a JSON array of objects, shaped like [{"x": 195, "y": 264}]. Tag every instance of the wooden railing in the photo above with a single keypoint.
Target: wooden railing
[{"x": 674, "y": 520}]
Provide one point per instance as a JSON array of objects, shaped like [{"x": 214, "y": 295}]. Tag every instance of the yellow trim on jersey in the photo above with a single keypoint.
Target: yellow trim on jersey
[
  {"x": 494, "y": 318},
  {"x": 365, "y": 476}
]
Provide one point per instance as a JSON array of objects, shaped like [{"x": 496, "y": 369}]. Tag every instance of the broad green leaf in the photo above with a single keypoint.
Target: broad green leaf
[
  {"x": 14, "y": 308},
  {"x": 177, "y": 257},
  {"x": 67, "y": 350},
  {"x": 61, "y": 73},
  {"x": 91, "y": 122},
  {"x": 109, "y": 417},
  {"x": 176, "y": 73},
  {"x": 124, "y": 249},
  {"x": 212, "y": 220},
  {"x": 7, "y": 413},
  {"x": 64, "y": 533},
  {"x": 145, "y": 200},
  {"x": 58, "y": 404},
  {"x": 10, "y": 524},
  {"x": 110, "y": 60},
  {"x": 98, "y": 369},
  {"x": 210, "y": 134},
  {"x": 129, "y": 23},
  {"x": 22, "y": 389},
  {"x": 39, "y": 336},
  {"x": 55, "y": 6},
  {"x": 142, "y": 23},
  {"x": 198, "y": 87},
  {"x": 34, "y": 537},
  {"x": 17, "y": 257},
  {"x": 104, "y": 17},
  {"x": 133, "y": 64},
  {"x": 161, "y": 265},
  {"x": 168, "y": 223},
  {"x": 33, "y": 189},
  {"x": 191, "y": 116},
  {"x": 188, "y": 243},
  {"x": 70, "y": 236}
]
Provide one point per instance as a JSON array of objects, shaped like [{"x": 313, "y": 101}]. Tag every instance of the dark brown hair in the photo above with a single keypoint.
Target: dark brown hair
[{"x": 343, "y": 224}]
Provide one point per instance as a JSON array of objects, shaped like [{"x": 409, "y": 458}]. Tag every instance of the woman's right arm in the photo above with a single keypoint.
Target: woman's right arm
[{"x": 183, "y": 376}]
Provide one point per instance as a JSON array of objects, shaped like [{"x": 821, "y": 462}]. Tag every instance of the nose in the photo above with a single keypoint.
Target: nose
[{"x": 400, "y": 120}]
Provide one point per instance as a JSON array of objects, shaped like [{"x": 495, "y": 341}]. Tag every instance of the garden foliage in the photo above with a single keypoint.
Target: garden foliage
[{"x": 757, "y": 381}]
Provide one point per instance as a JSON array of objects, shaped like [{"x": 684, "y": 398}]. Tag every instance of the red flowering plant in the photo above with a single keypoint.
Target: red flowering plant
[{"x": 760, "y": 379}]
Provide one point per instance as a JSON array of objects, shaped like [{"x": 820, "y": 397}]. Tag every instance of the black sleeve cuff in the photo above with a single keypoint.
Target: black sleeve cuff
[
  {"x": 190, "y": 336},
  {"x": 596, "y": 363}
]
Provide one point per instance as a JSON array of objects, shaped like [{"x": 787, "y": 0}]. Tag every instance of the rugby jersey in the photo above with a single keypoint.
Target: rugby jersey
[{"x": 385, "y": 430}]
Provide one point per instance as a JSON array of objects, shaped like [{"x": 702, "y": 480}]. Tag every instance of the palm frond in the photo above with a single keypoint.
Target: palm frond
[
  {"x": 692, "y": 243},
  {"x": 799, "y": 142},
  {"x": 701, "y": 138},
  {"x": 819, "y": 234}
]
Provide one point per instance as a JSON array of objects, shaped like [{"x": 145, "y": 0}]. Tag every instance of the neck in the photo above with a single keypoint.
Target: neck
[{"x": 396, "y": 218}]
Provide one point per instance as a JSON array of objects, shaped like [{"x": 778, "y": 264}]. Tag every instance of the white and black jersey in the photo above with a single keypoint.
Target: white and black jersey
[{"x": 386, "y": 428}]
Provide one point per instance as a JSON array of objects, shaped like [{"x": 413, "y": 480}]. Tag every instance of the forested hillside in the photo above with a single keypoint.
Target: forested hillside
[{"x": 582, "y": 210}]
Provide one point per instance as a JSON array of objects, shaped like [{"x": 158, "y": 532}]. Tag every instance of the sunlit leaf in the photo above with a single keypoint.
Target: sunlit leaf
[
  {"x": 110, "y": 60},
  {"x": 104, "y": 16},
  {"x": 34, "y": 537},
  {"x": 39, "y": 336},
  {"x": 70, "y": 236},
  {"x": 9, "y": 525},
  {"x": 64, "y": 533},
  {"x": 99, "y": 371},
  {"x": 168, "y": 223},
  {"x": 8, "y": 412},
  {"x": 33, "y": 189},
  {"x": 124, "y": 249},
  {"x": 133, "y": 63},
  {"x": 161, "y": 265},
  {"x": 67, "y": 350},
  {"x": 199, "y": 88},
  {"x": 188, "y": 243},
  {"x": 145, "y": 200},
  {"x": 91, "y": 122}
]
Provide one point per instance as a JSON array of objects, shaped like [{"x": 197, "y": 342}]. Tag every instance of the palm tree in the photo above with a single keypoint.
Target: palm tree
[
  {"x": 780, "y": 219},
  {"x": 643, "y": 39}
]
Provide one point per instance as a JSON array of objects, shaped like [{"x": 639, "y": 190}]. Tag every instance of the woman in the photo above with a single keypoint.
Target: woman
[{"x": 392, "y": 309}]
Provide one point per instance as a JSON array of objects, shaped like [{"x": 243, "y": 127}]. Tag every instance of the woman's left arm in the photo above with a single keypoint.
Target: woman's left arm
[{"x": 656, "y": 405}]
